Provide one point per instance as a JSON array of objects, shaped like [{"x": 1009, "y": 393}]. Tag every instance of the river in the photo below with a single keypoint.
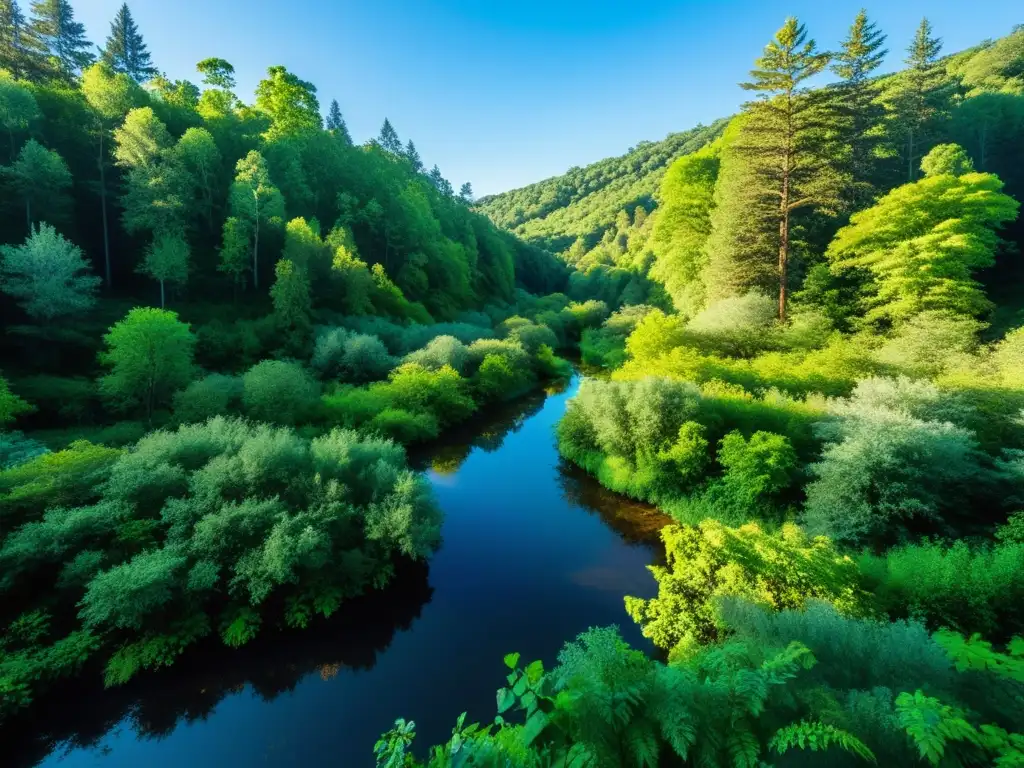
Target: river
[{"x": 534, "y": 553}]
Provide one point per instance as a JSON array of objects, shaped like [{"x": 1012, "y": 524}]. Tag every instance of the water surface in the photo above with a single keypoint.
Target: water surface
[{"x": 534, "y": 553}]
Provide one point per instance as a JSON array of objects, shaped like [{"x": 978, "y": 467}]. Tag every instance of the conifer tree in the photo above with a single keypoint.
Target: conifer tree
[
  {"x": 413, "y": 156},
  {"x": 783, "y": 150},
  {"x": 21, "y": 51},
  {"x": 336, "y": 123},
  {"x": 856, "y": 106},
  {"x": 42, "y": 180},
  {"x": 53, "y": 22},
  {"x": 920, "y": 97},
  {"x": 388, "y": 138},
  {"x": 125, "y": 51},
  {"x": 466, "y": 193}
]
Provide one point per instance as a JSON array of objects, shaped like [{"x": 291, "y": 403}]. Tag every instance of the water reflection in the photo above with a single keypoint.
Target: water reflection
[
  {"x": 635, "y": 521},
  {"x": 81, "y": 714}
]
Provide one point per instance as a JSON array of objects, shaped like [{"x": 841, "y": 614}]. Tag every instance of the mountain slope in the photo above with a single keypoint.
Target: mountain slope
[{"x": 585, "y": 201}]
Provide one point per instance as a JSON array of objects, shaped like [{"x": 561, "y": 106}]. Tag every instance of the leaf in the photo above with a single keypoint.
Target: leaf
[
  {"x": 512, "y": 660},
  {"x": 520, "y": 686},
  {"x": 505, "y": 699},
  {"x": 535, "y": 724},
  {"x": 535, "y": 671},
  {"x": 529, "y": 702}
]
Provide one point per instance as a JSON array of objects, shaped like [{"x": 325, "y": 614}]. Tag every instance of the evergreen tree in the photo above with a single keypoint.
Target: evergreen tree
[
  {"x": 336, "y": 123},
  {"x": 440, "y": 182},
  {"x": 413, "y": 156},
  {"x": 782, "y": 144},
  {"x": 53, "y": 22},
  {"x": 388, "y": 139},
  {"x": 42, "y": 180},
  {"x": 466, "y": 193},
  {"x": 125, "y": 50},
  {"x": 21, "y": 51},
  {"x": 920, "y": 97},
  {"x": 856, "y": 106}
]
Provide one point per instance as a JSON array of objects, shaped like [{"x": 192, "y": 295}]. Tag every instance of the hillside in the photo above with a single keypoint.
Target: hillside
[{"x": 584, "y": 201}]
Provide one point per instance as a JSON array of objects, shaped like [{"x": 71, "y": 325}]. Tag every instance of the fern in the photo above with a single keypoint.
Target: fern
[
  {"x": 817, "y": 736},
  {"x": 240, "y": 626},
  {"x": 975, "y": 653},
  {"x": 743, "y": 747},
  {"x": 931, "y": 724}
]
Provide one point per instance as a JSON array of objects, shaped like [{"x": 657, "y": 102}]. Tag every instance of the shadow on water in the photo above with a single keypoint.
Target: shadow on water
[{"x": 534, "y": 552}]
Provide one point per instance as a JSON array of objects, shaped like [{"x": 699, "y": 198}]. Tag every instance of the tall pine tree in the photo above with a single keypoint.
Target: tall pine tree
[
  {"x": 125, "y": 50},
  {"x": 21, "y": 51},
  {"x": 336, "y": 123},
  {"x": 783, "y": 149},
  {"x": 388, "y": 138},
  {"x": 413, "y": 156},
  {"x": 53, "y": 22},
  {"x": 920, "y": 97},
  {"x": 857, "y": 108}
]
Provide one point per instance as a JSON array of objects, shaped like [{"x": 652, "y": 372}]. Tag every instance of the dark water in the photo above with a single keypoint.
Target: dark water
[{"x": 533, "y": 554}]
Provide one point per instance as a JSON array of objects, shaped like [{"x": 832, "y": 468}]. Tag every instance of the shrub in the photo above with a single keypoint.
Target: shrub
[
  {"x": 441, "y": 393},
  {"x": 214, "y": 395},
  {"x": 497, "y": 379},
  {"x": 352, "y": 357},
  {"x": 511, "y": 350},
  {"x": 655, "y": 335},
  {"x": 278, "y": 392},
  {"x": 738, "y": 326},
  {"x": 439, "y": 352},
  {"x": 757, "y": 468},
  {"x": 403, "y": 426},
  {"x": 16, "y": 449},
  {"x": 703, "y": 563},
  {"x": 929, "y": 343},
  {"x": 969, "y": 589},
  {"x": 351, "y": 407}
]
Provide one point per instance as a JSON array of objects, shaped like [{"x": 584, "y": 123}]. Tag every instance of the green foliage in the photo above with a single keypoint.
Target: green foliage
[
  {"x": 47, "y": 275},
  {"x": 11, "y": 406},
  {"x": 214, "y": 395},
  {"x": 923, "y": 242},
  {"x": 704, "y": 563},
  {"x": 816, "y": 737},
  {"x": 760, "y": 467},
  {"x": 150, "y": 354},
  {"x": 278, "y": 392}
]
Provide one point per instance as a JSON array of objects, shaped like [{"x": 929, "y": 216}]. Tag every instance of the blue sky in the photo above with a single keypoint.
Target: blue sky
[{"x": 503, "y": 93}]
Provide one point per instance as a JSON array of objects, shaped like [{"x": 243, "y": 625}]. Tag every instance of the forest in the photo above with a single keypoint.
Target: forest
[{"x": 226, "y": 327}]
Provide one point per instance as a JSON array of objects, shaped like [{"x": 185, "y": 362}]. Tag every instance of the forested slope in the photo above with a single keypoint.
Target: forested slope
[{"x": 583, "y": 202}]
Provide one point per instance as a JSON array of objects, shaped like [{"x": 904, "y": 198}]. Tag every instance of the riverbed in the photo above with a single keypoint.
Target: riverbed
[{"x": 534, "y": 552}]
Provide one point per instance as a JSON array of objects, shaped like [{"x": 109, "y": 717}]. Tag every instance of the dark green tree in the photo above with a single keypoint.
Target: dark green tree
[
  {"x": 336, "y": 123},
  {"x": 466, "y": 193},
  {"x": 920, "y": 98},
  {"x": 388, "y": 138},
  {"x": 21, "y": 51},
  {"x": 857, "y": 109},
  {"x": 53, "y": 22},
  {"x": 125, "y": 50},
  {"x": 42, "y": 180},
  {"x": 413, "y": 156}
]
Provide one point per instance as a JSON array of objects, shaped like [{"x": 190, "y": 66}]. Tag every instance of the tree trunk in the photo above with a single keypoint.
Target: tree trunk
[
  {"x": 28, "y": 213},
  {"x": 783, "y": 262},
  {"x": 256, "y": 247},
  {"x": 162, "y": 304},
  {"x": 103, "y": 206}
]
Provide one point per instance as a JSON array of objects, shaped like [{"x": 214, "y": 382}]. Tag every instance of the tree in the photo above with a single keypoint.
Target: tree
[
  {"x": 125, "y": 51},
  {"x": 413, "y": 156},
  {"x": 217, "y": 73},
  {"x": 111, "y": 96},
  {"x": 166, "y": 260},
  {"x": 18, "y": 108},
  {"x": 388, "y": 138},
  {"x": 682, "y": 226},
  {"x": 48, "y": 275},
  {"x": 289, "y": 102},
  {"x": 53, "y": 22},
  {"x": 336, "y": 124},
  {"x": 947, "y": 159},
  {"x": 198, "y": 156},
  {"x": 292, "y": 303},
  {"x": 11, "y": 406},
  {"x": 856, "y": 106},
  {"x": 235, "y": 250},
  {"x": 21, "y": 51},
  {"x": 149, "y": 354},
  {"x": 440, "y": 182},
  {"x": 466, "y": 193},
  {"x": 923, "y": 241},
  {"x": 782, "y": 138},
  {"x": 920, "y": 96},
  {"x": 254, "y": 200},
  {"x": 42, "y": 179},
  {"x": 155, "y": 184}
]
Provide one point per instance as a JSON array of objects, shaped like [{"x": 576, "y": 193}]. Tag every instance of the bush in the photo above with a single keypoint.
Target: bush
[
  {"x": 441, "y": 393},
  {"x": 510, "y": 350},
  {"x": 738, "y": 326},
  {"x": 711, "y": 561},
  {"x": 968, "y": 589},
  {"x": 351, "y": 407},
  {"x": 530, "y": 335},
  {"x": 16, "y": 449},
  {"x": 929, "y": 343},
  {"x": 759, "y": 468},
  {"x": 278, "y": 392},
  {"x": 655, "y": 335},
  {"x": 439, "y": 352},
  {"x": 403, "y": 426},
  {"x": 497, "y": 379},
  {"x": 352, "y": 357},
  {"x": 214, "y": 395}
]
